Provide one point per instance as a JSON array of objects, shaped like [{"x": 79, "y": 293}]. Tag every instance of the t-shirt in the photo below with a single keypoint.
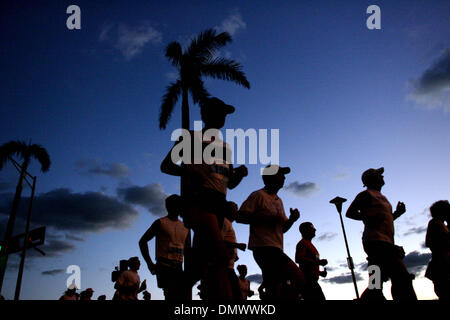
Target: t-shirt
[
  {"x": 170, "y": 240},
  {"x": 129, "y": 279},
  {"x": 261, "y": 203},
  {"x": 305, "y": 249},
  {"x": 377, "y": 217},
  {"x": 438, "y": 239},
  {"x": 211, "y": 168},
  {"x": 244, "y": 286}
]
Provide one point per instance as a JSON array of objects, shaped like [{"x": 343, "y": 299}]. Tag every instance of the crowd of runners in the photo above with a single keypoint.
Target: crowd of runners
[{"x": 209, "y": 259}]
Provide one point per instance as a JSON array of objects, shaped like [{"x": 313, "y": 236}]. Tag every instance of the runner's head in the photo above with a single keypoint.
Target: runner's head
[
  {"x": 242, "y": 269},
  {"x": 134, "y": 263},
  {"x": 307, "y": 230},
  {"x": 440, "y": 210},
  {"x": 173, "y": 205},
  {"x": 214, "y": 112},
  {"x": 274, "y": 176},
  {"x": 373, "y": 178}
]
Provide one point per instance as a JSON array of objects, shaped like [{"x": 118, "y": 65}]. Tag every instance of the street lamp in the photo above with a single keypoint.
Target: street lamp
[{"x": 338, "y": 203}]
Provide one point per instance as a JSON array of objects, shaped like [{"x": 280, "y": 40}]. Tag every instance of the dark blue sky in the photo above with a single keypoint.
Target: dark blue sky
[{"x": 344, "y": 98}]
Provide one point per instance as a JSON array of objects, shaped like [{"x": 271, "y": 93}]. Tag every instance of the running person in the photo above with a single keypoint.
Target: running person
[
  {"x": 244, "y": 283},
  {"x": 438, "y": 240},
  {"x": 206, "y": 176},
  {"x": 372, "y": 207},
  {"x": 264, "y": 212},
  {"x": 129, "y": 284},
  {"x": 308, "y": 258},
  {"x": 171, "y": 240}
]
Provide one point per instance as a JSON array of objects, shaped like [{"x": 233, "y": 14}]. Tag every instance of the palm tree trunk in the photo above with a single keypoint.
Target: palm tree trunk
[
  {"x": 185, "y": 110},
  {"x": 11, "y": 220},
  {"x": 185, "y": 125}
]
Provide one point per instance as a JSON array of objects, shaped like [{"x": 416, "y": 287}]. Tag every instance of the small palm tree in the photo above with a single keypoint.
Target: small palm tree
[
  {"x": 196, "y": 61},
  {"x": 26, "y": 152}
]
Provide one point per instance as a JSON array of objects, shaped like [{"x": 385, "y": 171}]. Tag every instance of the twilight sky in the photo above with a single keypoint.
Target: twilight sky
[{"x": 344, "y": 98}]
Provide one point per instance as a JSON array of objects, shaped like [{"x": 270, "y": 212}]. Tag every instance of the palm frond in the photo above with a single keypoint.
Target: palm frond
[
  {"x": 198, "y": 91},
  {"x": 40, "y": 154},
  {"x": 169, "y": 100},
  {"x": 11, "y": 148},
  {"x": 174, "y": 53},
  {"x": 225, "y": 69},
  {"x": 207, "y": 43}
]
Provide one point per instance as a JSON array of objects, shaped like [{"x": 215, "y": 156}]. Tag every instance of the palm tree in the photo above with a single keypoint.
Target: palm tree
[
  {"x": 196, "y": 61},
  {"x": 26, "y": 152}
]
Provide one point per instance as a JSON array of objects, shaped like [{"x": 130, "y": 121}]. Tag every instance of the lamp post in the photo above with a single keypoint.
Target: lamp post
[{"x": 338, "y": 203}]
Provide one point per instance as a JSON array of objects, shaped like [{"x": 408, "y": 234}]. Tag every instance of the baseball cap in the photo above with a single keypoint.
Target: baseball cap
[
  {"x": 89, "y": 289},
  {"x": 272, "y": 169},
  {"x": 217, "y": 104},
  {"x": 369, "y": 173}
]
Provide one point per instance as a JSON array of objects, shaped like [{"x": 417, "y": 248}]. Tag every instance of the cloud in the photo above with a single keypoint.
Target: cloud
[
  {"x": 415, "y": 230},
  {"x": 432, "y": 89},
  {"x": 329, "y": 268},
  {"x": 363, "y": 266},
  {"x": 232, "y": 23},
  {"x": 54, "y": 248},
  {"x": 74, "y": 237},
  {"x": 53, "y": 272},
  {"x": 93, "y": 167},
  {"x": 344, "y": 278},
  {"x": 130, "y": 41},
  {"x": 326, "y": 236},
  {"x": 257, "y": 278},
  {"x": 104, "y": 32},
  {"x": 151, "y": 197},
  {"x": 416, "y": 261},
  {"x": 79, "y": 212},
  {"x": 118, "y": 170},
  {"x": 341, "y": 176},
  {"x": 304, "y": 190}
]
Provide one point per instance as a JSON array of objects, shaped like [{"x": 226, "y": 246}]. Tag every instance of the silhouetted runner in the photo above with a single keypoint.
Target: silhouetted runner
[
  {"x": 229, "y": 237},
  {"x": 129, "y": 284},
  {"x": 438, "y": 240},
  {"x": 308, "y": 258},
  {"x": 264, "y": 211},
  {"x": 70, "y": 294},
  {"x": 372, "y": 207},
  {"x": 86, "y": 295},
  {"x": 205, "y": 183},
  {"x": 244, "y": 283},
  {"x": 171, "y": 240}
]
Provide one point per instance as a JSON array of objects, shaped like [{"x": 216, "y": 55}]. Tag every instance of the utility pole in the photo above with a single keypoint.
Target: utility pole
[{"x": 25, "y": 242}]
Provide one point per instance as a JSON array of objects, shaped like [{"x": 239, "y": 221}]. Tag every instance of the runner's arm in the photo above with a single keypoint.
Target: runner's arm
[
  {"x": 353, "y": 211},
  {"x": 170, "y": 167},
  {"x": 294, "y": 215},
  {"x": 143, "y": 246}
]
